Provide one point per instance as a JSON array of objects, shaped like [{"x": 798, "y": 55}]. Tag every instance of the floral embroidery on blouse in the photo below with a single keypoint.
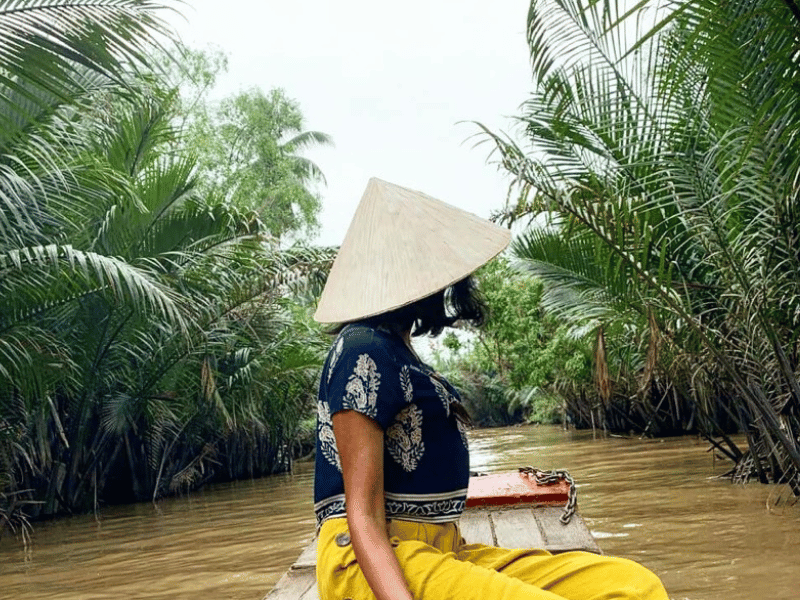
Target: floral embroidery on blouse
[
  {"x": 326, "y": 438},
  {"x": 361, "y": 392},
  {"x": 404, "y": 438},
  {"x": 405, "y": 383},
  {"x": 462, "y": 430},
  {"x": 444, "y": 394}
]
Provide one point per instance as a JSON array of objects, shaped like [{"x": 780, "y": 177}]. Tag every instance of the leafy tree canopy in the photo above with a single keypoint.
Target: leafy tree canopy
[
  {"x": 257, "y": 161},
  {"x": 250, "y": 146}
]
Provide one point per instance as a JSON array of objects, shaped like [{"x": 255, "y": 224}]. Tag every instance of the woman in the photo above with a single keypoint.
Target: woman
[{"x": 392, "y": 465}]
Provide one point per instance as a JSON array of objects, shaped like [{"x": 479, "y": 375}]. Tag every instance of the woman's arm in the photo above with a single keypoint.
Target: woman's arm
[{"x": 360, "y": 443}]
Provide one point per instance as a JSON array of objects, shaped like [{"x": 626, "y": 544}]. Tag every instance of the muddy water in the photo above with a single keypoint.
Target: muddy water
[{"x": 654, "y": 501}]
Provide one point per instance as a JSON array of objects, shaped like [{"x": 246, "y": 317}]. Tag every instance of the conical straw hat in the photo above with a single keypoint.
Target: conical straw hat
[{"x": 402, "y": 246}]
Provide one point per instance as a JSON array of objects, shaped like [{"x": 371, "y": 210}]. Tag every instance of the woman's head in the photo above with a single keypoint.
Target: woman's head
[{"x": 430, "y": 315}]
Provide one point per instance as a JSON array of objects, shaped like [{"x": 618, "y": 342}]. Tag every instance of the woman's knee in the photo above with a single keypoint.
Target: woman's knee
[{"x": 587, "y": 576}]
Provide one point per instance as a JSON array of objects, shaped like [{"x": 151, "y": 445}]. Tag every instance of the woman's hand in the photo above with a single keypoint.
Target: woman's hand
[{"x": 360, "y": 443}]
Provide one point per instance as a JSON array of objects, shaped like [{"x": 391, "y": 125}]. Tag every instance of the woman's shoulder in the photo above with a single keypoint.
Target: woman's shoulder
[
  {"x": 364, "y": 348},
  {"x": 362, "y": 337}
]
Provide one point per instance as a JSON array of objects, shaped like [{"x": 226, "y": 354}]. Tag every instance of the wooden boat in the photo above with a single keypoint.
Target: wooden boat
[{"x": 510, "y": 510}]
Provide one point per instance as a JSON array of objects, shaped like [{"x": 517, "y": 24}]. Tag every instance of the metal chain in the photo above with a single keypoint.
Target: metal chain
[{"x": 554, "y": 476}]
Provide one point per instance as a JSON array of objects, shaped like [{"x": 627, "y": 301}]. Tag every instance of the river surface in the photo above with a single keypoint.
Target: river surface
[{"x": 655, "y": 501}]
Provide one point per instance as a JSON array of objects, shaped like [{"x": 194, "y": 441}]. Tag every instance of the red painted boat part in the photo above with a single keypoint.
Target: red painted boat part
[{"x": 513, "y": 487}]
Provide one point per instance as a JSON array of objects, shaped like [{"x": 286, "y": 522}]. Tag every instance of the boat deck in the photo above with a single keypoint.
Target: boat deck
[{"x": 527, "y": 526}]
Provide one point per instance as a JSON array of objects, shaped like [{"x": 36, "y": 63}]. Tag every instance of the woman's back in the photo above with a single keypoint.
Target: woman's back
[{"x": 426, "y": 464}]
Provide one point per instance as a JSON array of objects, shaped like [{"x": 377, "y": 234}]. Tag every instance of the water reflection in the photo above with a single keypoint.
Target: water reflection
[{"x": 654, "y": 501}]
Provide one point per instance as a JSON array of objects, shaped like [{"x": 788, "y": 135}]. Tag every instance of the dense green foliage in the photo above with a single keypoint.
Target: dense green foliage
[
  {"x": 250, "y": 157},
  {"x": 509, "y": 369},
  {"x": 146, "y": 341},
  {"x": 248, "y": 146},
  {"x": 664, "y": 146}
]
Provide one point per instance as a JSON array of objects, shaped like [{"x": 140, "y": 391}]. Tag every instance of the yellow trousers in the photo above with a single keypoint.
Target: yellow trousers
[{"x": 438, "y": 565}]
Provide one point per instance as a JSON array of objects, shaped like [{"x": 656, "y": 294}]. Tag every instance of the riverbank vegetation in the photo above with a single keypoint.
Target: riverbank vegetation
[
  {"x": 514, "y": 368},
  {"x": 663, "y": 151},
  {"x": 147, "y": 344}
]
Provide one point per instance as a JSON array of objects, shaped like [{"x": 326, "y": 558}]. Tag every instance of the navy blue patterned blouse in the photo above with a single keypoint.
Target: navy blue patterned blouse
[{"x": 426, "y": 462}]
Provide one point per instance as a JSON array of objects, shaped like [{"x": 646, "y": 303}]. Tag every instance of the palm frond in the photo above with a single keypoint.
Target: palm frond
[
  {"x": 37, "y": 278},
  {"x": 578, "y": 288},
  {"x": 43, "y": 43}
]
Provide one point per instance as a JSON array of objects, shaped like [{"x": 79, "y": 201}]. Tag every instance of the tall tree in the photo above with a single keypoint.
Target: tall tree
[
  {"x": 251, "y": 152},
  {"x": 250, "y": 146}
]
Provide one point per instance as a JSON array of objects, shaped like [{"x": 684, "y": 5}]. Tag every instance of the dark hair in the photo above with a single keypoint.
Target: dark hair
[{"x": 430, "y": 315}]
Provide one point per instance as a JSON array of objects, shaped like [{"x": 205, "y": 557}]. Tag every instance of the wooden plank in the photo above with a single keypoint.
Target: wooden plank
[
  {"x": 308, "y": 558},
  {"x": 293, "y": 584},
  {"x": 516, "y": 528},
  {"x": 312, "y": 593},
  {"x": 476, "y": 528},
  {"x": 563, "y": 538}
]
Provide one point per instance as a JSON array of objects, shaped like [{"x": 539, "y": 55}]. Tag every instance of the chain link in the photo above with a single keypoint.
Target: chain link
[{"x": 554, "y": 476}]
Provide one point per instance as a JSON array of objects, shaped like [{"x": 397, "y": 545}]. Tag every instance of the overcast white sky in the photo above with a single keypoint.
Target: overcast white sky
[{"x": 389, "y": 81}]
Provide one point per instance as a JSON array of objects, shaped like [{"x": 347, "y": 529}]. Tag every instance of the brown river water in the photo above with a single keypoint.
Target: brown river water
[{"x": 655, "y": 501}]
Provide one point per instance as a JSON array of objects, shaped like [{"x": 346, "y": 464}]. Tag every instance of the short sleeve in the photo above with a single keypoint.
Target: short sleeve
[{"x": 363, "y": 373}]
